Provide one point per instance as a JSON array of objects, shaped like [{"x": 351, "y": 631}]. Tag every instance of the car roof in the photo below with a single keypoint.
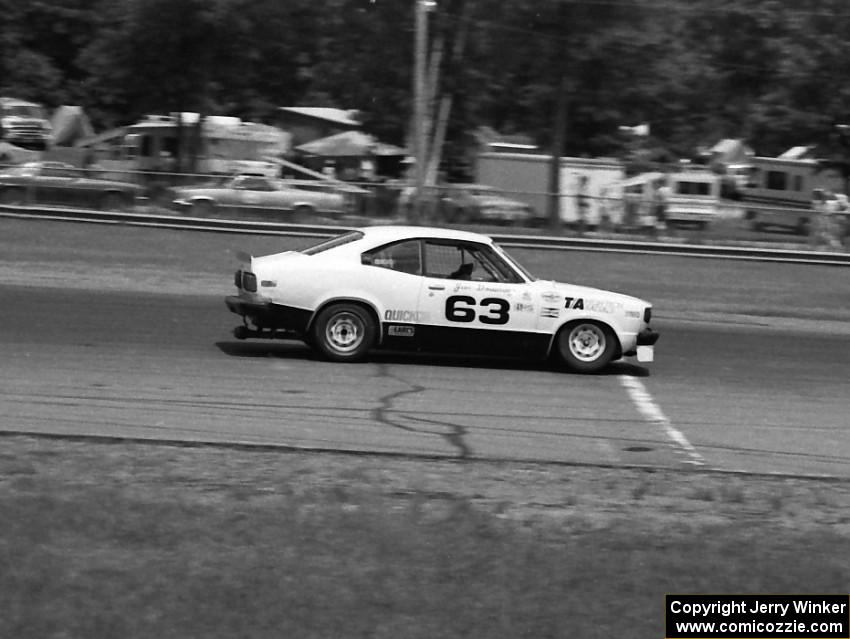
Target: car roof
[{"x": 384, "y": 234}]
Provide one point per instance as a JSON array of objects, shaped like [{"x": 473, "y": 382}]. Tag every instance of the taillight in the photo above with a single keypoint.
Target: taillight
[{"x": 647, "y": 314}]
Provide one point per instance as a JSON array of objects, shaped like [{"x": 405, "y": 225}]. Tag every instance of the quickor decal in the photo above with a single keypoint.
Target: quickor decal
[
  {"x": 524, "y": 308},
  {"x": 463, "y": 308},
  {"x": 401, "y": 331},
  {"x": 402, "y": 315}
]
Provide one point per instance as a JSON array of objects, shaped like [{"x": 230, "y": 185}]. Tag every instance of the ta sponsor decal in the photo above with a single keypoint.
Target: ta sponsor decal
[
  {"x": 574, "y": 303},
  {"x": 603, "y": 306},
  {"x": 394, "y": 330},
  {"x": 402, "y": 315}
]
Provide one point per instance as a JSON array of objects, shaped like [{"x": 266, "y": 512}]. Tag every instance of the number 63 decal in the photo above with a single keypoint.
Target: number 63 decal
[{"x": 461, "y": 308}]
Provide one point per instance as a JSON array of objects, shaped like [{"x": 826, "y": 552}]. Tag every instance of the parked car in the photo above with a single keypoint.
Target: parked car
[
  {"x": 482, "y": 203},
  {"x": 258, "y": 192},
  {"x": 61, "y": 183},
  {"x": 436, "y": 290}
]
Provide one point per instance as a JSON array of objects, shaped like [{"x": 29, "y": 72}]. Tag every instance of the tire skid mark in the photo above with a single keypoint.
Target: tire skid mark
[
  {"x": 384, "y": 414},
  {"x": 653, "y": 414}
]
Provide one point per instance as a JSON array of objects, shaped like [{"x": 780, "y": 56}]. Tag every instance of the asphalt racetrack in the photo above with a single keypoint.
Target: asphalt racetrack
[{"x": 101, "y": 335}]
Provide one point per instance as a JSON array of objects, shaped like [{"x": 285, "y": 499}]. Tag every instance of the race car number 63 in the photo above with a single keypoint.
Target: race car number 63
[{"x": 461, "y": 308}]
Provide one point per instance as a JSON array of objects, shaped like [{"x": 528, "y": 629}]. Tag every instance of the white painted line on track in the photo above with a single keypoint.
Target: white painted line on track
[{"x": 652, "y": 413}]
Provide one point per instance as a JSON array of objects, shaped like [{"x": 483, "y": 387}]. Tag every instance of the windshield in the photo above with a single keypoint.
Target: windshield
[
  {"x": 351, "y": 236},
  {"x": 24, "y": 111},
  {"x": 514, "y": 263}
]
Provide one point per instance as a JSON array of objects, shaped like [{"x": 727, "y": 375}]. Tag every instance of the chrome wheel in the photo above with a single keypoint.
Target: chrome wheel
[
  {"x": 587, "y": 342},
  {"x": 345, "y": 332},
  {"x": 586, "y": 347}
]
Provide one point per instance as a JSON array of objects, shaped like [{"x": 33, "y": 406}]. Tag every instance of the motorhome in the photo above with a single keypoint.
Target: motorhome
[
  {"x": 692, "y": 198},
  {"x": 781, "y": 191},
  {"x": 223, "y": 146},
  {"x": 24, "y": 124}
]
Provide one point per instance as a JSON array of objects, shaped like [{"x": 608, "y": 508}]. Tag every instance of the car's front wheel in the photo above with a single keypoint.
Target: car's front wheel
[
  {"x": 12, "y": 196},
  {"x": 344, "y": 332},
  {"x": 586, "y": 346}
]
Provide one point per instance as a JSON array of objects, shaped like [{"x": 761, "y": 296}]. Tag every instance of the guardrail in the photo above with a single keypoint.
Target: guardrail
[{"x": 752, "y": 253}]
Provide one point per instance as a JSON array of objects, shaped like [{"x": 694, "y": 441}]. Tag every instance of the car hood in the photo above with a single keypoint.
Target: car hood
[
  {"x": 210, "y": 191},
  {"x": 562, "y": 290},
  {"x": 495, "y": 200}
]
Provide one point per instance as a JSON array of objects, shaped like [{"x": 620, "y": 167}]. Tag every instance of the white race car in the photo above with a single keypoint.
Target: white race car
[{"x": 435, "y": 290}]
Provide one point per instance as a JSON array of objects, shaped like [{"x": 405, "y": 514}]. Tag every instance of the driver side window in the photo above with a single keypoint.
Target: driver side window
[{"x": 466, "y": 261}]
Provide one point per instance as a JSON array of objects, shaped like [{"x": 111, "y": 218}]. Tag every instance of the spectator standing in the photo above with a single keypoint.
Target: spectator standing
[
  {"x": 825, "y": 229},
  {"x": 661, "y": 203},
  {"x": 582, "y": 203}
]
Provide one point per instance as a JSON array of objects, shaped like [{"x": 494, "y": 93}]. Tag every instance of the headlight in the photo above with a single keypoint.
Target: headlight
[{"x": 249, "y": 282}]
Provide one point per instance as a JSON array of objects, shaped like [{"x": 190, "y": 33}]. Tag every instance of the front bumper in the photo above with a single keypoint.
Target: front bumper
[
  {"x": 644, "y": 347},
  {"x": 647, "y": 337}
]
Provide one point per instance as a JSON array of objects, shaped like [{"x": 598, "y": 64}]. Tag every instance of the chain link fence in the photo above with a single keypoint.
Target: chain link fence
[{"x": 626, "y": 208}]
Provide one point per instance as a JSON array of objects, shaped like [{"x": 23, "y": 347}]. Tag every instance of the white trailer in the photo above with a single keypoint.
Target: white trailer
[{"x": 525, "y": 177}]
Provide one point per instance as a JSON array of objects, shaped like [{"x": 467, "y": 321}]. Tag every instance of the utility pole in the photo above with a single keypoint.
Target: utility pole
[
  {"x": 554, "y": 208},
  {"x": 420, "y": 99},
  {"x": 844, "y": 137}
]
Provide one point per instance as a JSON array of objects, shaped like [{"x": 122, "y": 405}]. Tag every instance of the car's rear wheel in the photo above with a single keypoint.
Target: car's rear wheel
[
  {"x": 12, "y": 196},
  {"x": 303, "y": 213},
  {"x": 586, "y": 346},
  {"x": 202, "y": 208},
  {"x": 113, "y": 202},
  {"x": 344, "y": 332}
]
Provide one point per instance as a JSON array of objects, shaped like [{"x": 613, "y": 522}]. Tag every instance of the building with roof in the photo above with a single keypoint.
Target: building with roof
[{"x": 306, "y": 124}]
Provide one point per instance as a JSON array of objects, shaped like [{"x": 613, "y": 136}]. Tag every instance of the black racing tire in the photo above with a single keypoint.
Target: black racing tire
[
  {"x": 303, "y": 213},
  {"x": 203, "y": 208},
  {"x": 585, "y": 346},
  {"x": 344, "y": 332},
  {"x": 12, "y": 196}
]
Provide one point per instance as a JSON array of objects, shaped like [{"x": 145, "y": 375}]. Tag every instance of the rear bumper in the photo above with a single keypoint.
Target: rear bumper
[
  {"x": 245, "y": 307},
  {"x": 265, "y": 315}
]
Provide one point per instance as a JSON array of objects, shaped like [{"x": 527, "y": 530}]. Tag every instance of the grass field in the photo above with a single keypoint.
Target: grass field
[
  {"x": 128, "y": 540},
  {"x": 104, "y": 540}
]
